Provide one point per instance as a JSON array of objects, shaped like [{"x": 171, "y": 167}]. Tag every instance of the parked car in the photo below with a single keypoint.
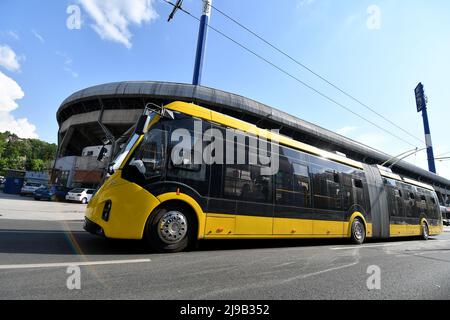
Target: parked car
[
  {"x": 80, "y": 195},
  {"x": 29, "y": 188},
  {"x": 446, "y": 215},
  {"x": 54, "y": 193}
]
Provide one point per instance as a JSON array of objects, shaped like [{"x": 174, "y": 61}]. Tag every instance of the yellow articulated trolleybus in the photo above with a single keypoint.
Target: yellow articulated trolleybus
[{"x": 312, "y": 194}]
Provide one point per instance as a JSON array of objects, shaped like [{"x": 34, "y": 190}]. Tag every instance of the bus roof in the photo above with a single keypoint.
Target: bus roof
[{"x": 213, "y": 116}]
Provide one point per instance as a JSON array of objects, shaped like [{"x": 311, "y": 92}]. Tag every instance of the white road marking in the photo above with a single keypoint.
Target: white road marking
[
  {"x": 40, "y": 231},
  {"x": 286, "y": 264},
  {"x": 387, "y": 245},
  {"x": 272, "y": 283},
  {"x": 308, "y": 275},
  {"x": 69, "y": 264},
  {"x": 367, "y": 246}
]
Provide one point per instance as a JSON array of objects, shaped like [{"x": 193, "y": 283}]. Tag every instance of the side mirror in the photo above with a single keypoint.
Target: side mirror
[
  {"x": 102, "y": 154},
  {"x": 111, "y": 169}
]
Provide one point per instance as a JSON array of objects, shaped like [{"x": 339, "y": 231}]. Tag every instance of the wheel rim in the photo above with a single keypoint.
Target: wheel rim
[
  {"x": 425, "y": 230},
  {"x": 358, "y": 230},
  {"x": 172, "y": 227}
]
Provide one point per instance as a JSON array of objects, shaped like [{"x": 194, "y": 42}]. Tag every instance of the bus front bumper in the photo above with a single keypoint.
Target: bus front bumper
[
  {"x": 93, "y": 228},
  {"x": 128, "y": 208}
]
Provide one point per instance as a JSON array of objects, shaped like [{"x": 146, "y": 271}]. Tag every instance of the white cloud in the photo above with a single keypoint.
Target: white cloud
[
  {"x": 112, "y": 18},
  {"x": 9, "y": 59},
  {"x": 10, "y": 91},
  {"x": 13, "y": 34},
  {"x": 38, "y": 36},
  {"x": 21, "y": 127}
]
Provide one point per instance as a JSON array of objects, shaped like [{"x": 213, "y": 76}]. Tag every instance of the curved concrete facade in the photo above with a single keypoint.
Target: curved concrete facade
[{"x": 122, "y": 103}]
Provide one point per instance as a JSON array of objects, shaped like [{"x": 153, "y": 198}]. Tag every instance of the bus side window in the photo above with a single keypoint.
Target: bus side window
[
  {"x": 326, "y": 190},
  {"x": 301, "y": 185},
  {"x": 245, "y": 183},
  {"x": 357, "y": 183},
  {"x": 237, "y": 182}
]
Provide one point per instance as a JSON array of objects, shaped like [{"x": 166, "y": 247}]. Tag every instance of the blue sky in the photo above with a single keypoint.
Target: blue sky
[{"x": 42, "y": 61}]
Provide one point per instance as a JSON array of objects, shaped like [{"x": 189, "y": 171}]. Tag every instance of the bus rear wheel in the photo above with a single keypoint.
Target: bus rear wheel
[
  {"x": 358, "y": 232},
  {"x": 425, "y": 231},
  {"x": 170, "y": 229}
]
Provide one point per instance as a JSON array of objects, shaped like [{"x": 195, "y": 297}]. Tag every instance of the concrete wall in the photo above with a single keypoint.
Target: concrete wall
[
  {"x": 110, "y": 117},
  {"x": 81, "y": 169}
]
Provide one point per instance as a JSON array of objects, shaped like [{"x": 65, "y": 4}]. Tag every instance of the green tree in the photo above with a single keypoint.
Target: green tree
[
  {"x": 37, "y": 165},
  {"x": 25, "y": 154}
]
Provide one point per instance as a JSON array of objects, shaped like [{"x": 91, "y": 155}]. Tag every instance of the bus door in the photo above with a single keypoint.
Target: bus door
[{"x": 398, "y": 224}]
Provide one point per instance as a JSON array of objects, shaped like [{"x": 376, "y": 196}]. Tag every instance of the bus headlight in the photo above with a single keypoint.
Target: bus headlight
[{"x": 107, "y": 210}]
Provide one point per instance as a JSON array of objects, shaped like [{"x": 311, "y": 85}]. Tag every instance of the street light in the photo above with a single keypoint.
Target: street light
[{"x": 421, "y": 103}]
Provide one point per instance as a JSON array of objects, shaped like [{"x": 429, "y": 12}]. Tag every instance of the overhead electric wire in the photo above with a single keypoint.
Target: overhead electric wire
[
  {"x": 443, "y": 154},
  {"x": 316, "y": 74},
  {"x": 293, "y": 77}
]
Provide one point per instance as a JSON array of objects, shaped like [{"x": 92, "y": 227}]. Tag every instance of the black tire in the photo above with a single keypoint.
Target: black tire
[
  {"x": 358, "y": 232},
  {"x": 163, "y": 226},
  {"x": 425, "y": 232},
  {"x": 84, "y": 201}
]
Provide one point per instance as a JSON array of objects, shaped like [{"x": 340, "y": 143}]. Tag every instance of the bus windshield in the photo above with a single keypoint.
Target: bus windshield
[
  {"x": 122, "y": 155},
  {"x": 117, "y": 163},
  {"x": 149, "y": 157}
]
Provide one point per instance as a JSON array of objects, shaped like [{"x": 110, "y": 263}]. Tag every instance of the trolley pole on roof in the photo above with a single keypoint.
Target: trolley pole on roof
[
  {"x": 421, "y": 102},
  {"x": 201, "y": 43}
]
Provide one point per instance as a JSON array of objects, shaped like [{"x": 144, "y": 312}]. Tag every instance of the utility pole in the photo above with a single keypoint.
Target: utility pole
[
  {"x": 201, "y": 43},
  {"x": 421, "y": 103},
  {"x": 202, "y": 35}
]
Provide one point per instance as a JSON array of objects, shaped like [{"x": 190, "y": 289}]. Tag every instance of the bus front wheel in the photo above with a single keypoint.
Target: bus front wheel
[
  {"x": 358, "y": 232},
  {"x": 425, "y": 231},
  {"x": 170, "y": 229}
]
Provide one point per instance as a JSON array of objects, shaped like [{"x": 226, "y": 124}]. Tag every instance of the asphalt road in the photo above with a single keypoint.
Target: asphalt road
[{"x": 217, "y": 270}]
